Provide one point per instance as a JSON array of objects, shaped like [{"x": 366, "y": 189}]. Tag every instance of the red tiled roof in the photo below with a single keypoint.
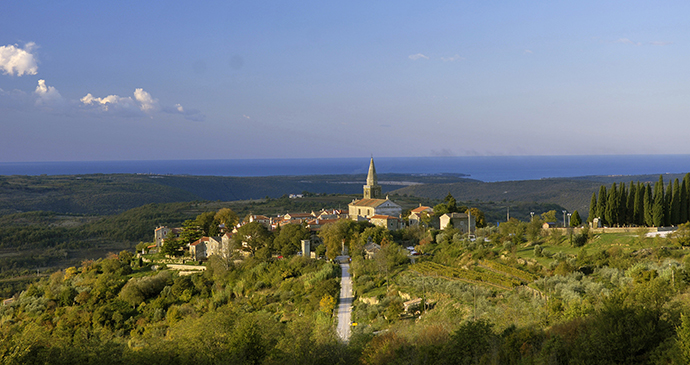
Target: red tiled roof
[
  {"x": 420, "y": 209},
  {"x": 368, "y": 202}
]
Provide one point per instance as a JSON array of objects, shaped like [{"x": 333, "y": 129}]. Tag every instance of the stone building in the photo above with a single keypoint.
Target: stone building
[{"x": 373, "y": 203}]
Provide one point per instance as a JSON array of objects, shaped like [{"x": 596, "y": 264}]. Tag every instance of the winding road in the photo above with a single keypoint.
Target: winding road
[{"x": 344, "y": 311}]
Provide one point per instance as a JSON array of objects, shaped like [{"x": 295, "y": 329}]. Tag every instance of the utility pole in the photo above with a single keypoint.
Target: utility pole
[
  {"x": 508, "y": 214},
  {"x": 565, "y": 211}
]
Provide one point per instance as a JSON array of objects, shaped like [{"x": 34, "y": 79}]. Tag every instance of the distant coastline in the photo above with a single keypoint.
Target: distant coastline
[{"x": 484, "y": 168}]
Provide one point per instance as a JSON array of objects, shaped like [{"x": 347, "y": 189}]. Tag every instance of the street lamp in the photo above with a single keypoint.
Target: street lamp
[
  {"x": 531, "y": 216},
  {"x": 569, "y": 214}
]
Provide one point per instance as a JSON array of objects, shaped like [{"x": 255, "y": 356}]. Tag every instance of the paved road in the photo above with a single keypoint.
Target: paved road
[{"x": 345, "y": 302}]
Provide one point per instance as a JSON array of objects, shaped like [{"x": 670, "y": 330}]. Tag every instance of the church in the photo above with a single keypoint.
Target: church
[{"x": 373, "y": 203}]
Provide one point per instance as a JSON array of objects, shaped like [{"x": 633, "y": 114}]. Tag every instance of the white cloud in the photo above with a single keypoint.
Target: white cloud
[
  {"x": 452, "y": 59},
  {"x": 15, "y": 60},
  {"x": 189, "y": 114},
  {"x": 142, "y": 101},
  {"x": 110, "y": 102},
  {"x": 147, "y": 103},
  {"x": 415, "y": 57},
  {"x": 527, "y": 51},
  {"x": 628, "y": 41},
  {"x": 46, "y": 94}
]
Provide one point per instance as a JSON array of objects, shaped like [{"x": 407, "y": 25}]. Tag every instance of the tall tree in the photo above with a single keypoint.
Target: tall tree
[
  {"x": 667, "y": 206},
  {"x": 683, "y": 216},
  {"x": 675, "y": 203},
  {"x": 648, "y": 206},
  {"x": 658, "y": 207},
  {"x": 451, "y": 203},
  {"x": 638, "y": 214},
  {"x": 686, "y": 181},
  {"x": 592, "y": 208},
  {"x": 622, "y": 204},
  {"x": 612, "y": 206},
  {"x": 575, "y": 220},
  {"x": 630, "y": 204},
  {"x": 601, "y": 203}
]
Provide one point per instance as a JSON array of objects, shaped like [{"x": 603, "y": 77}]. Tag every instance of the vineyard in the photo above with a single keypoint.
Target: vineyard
[
  {"x": 524, "y": 276},
  {"x": 475, "y": 275}
]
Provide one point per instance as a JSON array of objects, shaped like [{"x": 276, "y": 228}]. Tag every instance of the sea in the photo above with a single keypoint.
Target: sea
[{"x": 484, "y": 168}]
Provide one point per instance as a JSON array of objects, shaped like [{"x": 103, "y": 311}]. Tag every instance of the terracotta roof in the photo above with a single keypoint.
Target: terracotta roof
[
  {"x": 299, "y": 215},
  {"x": 420, "y": 209},
  {"x": 368, "y": 202}
]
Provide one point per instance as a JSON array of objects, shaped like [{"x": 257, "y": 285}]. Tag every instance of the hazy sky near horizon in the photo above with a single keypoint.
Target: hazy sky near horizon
[{"x": 148, "y": 80}]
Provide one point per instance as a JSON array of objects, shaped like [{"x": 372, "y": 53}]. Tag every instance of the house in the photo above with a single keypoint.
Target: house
[
  {"x": 266, "y": 221},
  {"x": 204, "y": 247},
  {"x": 459, "y": 221},
  {"x": 197, "y": 249},
  {"x": 160, "y": 233},
  {"x": 370, "y": 249},
  {"x": 548, "y": 225},
  {"x": 296, "y": 218},
  {"x": 415, "y": 217},
  {"x": 387, "y": 221}
]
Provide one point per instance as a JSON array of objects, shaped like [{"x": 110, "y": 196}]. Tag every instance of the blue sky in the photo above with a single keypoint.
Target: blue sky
[{"x": 147, "y": 80}]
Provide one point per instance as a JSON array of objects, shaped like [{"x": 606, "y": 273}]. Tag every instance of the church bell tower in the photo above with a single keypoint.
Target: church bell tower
[{"x": 372, "y": 190}]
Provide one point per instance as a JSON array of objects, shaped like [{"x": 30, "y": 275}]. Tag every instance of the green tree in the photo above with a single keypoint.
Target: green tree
[
  {"x": 172, "y": 246},
  {"x": 683, "y": 209},
  {"x": 549, "y": 216},
  {"x": 575, "y": 220},
  {"x": 675, "y": 203},
  {"x": 601, "y": 203},
  {"x": 479, "y": 218},
  {"x": 683, "y": 338},
  {"x": 251, "y": 237},
  {"x": 612, "y": 207},
  {"x": 648, "y": 206},
  {"x": 592, "y": 208},
  {"x": 227, "y": 217},
  {"x": 638, "y": 213},
  {"x": 658, "y": 207},
  {"x": 289, "y": 237},
  {"x": 451, "y": 203},
  {"x": 630, "y": 205}
]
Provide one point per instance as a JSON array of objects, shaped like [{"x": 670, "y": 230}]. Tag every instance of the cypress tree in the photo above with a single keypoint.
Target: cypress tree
[
  {"x": 639, "y": 204},
  {"x": 683, "y": 201},
  {"x": 630, "y": 205},
  {"x": 648, "y": 202},
  {"x": 575, "y": 219},
  {"x": 622, "y": 205},
  {"x": 601, "y": 202},
  {"x": 592, "y": 208},
  {"x": 658, "y": 207},
  {"x": 612, "y": 206},
  {"x": 668, "y": 193},
  {"x": 675, "y": 203},
  {"x": 686, "y": 180}
]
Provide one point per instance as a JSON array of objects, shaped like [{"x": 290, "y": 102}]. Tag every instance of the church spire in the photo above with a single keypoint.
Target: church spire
[
  {"x": 372, "y": 190},
  {"x": 371, "y": 178}
]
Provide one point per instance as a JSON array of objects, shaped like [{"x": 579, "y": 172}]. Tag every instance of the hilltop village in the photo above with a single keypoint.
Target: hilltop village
[{"x": 373, "y": 208}]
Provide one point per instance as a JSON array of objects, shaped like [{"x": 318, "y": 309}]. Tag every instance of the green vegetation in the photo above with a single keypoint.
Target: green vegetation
[
  {"x": 512, "y": 294},
  {"x": 637, "y": 206}
]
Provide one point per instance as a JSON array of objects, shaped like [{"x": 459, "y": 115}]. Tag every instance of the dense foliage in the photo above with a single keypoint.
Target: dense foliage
[{"x": 643, "y": 205}]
